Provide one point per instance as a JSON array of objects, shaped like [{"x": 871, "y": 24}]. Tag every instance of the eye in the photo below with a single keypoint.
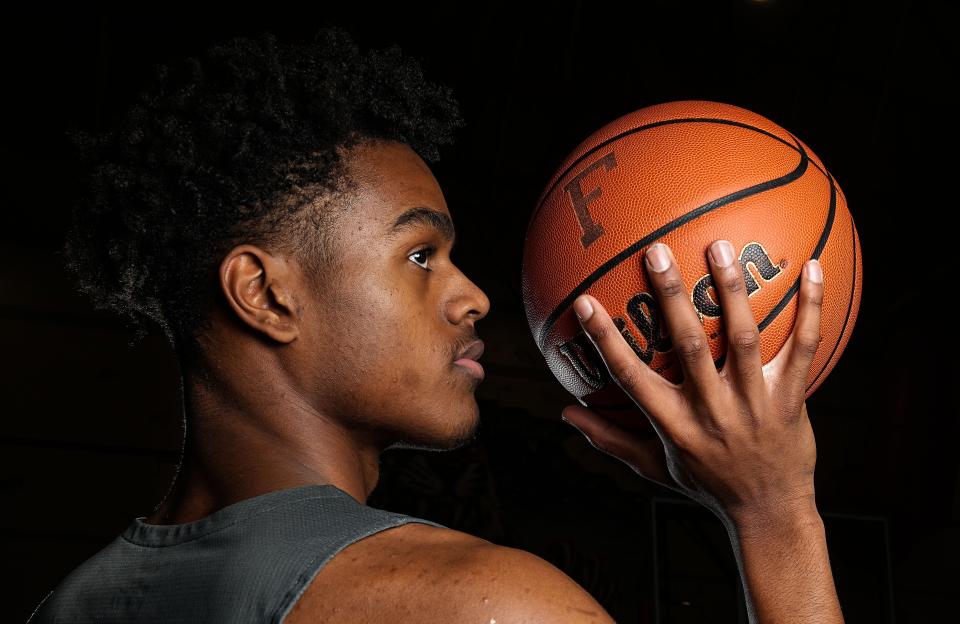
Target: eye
[{"x": 426, "y": 252}]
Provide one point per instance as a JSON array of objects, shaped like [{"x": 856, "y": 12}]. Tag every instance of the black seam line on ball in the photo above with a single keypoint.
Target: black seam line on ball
[
  {"x": 824, "y": 235},
  {"x": 666, "y": 229},
  {"x": 853, "y": 290},
  {"x": 657, "y": 124}
]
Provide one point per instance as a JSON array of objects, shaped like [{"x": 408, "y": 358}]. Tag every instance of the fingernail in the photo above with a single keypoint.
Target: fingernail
[
  {"x": 583, "y": 308},
  {"x": 722, "y": 253},
  {"x": 657, "y": 258},
  {"x": 815, "y": 271}
]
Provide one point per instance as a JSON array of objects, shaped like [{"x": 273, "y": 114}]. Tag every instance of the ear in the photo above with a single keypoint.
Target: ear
[{"x": 259, "y": 287}]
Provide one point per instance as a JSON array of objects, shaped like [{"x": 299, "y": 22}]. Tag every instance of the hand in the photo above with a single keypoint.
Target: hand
[{"x": 736, "y": 440}]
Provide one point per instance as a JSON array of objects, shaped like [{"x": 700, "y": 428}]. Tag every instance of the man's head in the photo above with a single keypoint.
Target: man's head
[
  {"x": 255, "y": 207},
  {"x": 375, "y": 343}
]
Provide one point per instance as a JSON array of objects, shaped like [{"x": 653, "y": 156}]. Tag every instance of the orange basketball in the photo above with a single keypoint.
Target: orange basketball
[{"x": 685, "y": 174}]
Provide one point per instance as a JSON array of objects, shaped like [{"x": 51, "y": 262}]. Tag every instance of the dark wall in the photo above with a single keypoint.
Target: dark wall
[{"x": 89, "y": 433}]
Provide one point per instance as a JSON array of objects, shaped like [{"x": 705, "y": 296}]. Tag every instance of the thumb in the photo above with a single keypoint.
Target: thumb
[{"x": 645, "y": 455}]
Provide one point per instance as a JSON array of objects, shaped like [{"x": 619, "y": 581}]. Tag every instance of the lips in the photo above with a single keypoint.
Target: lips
[
  {"x": 468, "y": 359},
  {"x": 473, "y": 351}
]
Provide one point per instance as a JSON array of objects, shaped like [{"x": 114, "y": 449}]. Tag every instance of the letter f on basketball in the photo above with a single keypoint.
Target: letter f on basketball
[{"x": 591, "y": 230}]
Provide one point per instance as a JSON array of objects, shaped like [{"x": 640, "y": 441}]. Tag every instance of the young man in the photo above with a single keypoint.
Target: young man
[{"x": 271, "y": 211}]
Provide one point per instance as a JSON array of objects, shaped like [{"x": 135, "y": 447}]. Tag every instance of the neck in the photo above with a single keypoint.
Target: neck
[{"x": 245, "y": 439}]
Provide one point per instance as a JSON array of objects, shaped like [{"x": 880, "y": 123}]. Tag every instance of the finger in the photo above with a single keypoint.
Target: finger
[
  {"x": 686, "y": 331},
  {"x": 798, "y": 352},
  {"x": 645, "y": 455},
  {"x": 655, "y": 395},
  {"x": 743, "y": 362}
]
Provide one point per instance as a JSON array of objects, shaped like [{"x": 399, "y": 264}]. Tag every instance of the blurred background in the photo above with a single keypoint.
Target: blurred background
[{"x": 89, "y": 425}]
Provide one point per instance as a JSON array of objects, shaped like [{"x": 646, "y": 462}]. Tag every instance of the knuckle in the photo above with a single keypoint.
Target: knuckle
[
  {"x": 733, "y": 283},
  {"x": 626, "y": 373},
  {"x": 684, "y": 439},
  {"x": 690, "y": 347},
  {"x": 746, "y": 339},
  {"x": 815, "y": 298},
  {"x": 600, "y": 332},
  {"x": 716, "y": 429},
  {"x": 807, "y": 345},
  {"x": 671, "y": 287}
]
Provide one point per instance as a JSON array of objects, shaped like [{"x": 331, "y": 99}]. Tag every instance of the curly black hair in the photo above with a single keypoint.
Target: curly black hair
[{"x": 235, "y": 148}]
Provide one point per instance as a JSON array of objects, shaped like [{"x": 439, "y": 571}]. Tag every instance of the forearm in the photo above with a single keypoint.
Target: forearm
[{"x": 785, "y": 568}]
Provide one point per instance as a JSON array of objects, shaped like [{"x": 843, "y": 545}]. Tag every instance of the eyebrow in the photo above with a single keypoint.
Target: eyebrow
[{"x": 422, "y": 216}]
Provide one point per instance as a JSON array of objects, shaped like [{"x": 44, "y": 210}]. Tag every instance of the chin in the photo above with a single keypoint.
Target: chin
[{"x": 464, "y": 432}]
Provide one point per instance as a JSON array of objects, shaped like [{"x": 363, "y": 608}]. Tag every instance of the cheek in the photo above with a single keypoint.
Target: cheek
[
  {"x": 381, "y": 335},
  {"x": 387, "y": 337},
  {"x": 410, "y": 377}
]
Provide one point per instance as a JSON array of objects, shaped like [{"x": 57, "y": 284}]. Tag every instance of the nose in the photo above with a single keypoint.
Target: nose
[{"x": 468, "y": 302}]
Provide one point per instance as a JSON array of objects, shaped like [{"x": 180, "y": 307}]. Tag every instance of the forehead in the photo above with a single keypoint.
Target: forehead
[{"x": 390, "y": 180}]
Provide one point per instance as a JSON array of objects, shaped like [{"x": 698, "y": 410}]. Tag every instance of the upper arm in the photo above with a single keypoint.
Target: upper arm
[{"x": 508, "y": 585}]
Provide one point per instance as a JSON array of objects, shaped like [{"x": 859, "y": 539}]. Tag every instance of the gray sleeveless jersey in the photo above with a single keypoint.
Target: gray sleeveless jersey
[{"x": 248, "y": 562}]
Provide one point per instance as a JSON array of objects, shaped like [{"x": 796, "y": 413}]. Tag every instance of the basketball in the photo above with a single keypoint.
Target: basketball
[{"x": 685, "y": 174}]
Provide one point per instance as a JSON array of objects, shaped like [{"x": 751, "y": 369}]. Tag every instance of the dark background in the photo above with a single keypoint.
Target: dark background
[{"x": 89, "y": 431}]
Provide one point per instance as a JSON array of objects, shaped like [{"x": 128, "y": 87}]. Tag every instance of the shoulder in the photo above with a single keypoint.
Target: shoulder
[
  {"x": 420, "y": 573},
  {"x": 512, "y": 585}
]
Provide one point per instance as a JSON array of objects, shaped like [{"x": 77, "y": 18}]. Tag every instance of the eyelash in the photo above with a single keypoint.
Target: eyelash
[{"x": 429, "y": 251}]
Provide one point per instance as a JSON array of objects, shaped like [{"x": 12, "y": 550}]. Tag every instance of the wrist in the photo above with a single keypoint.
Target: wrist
[
  {"x": 781, "y": 553},
  {"x": 779, "y": 519}
]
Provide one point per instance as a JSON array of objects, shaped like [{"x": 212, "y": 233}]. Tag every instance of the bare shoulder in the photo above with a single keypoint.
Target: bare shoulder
[
  {"x": 419, "y": 573},
  {"x": 511, "y": 585}
]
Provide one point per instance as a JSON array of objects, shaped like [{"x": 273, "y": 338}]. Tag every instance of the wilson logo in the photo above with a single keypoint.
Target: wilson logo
[{"x": 645, "y": 313}]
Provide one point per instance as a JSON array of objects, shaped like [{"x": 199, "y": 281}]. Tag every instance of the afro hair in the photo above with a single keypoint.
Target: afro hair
[{"x": 235, "y": 148}]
